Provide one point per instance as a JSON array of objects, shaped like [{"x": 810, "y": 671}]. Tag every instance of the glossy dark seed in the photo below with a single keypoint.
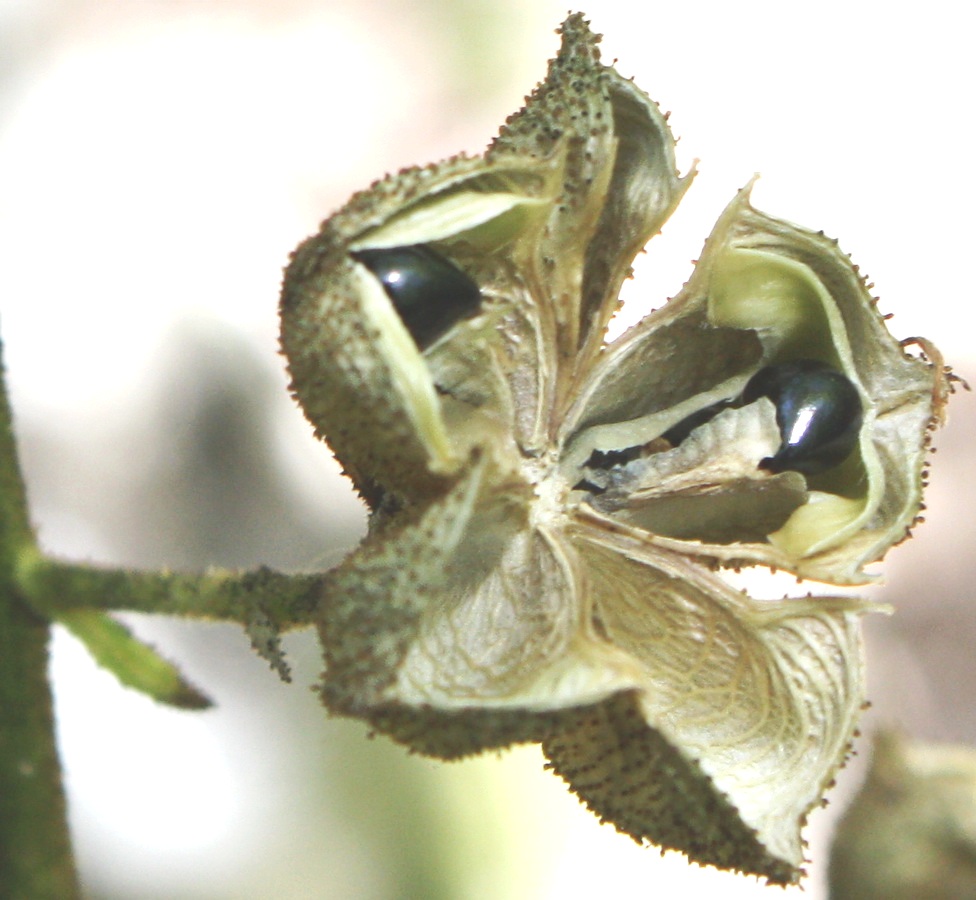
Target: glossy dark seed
[
  {"x": 818, "y": 411},
  {"x": 428, "y": 291}
]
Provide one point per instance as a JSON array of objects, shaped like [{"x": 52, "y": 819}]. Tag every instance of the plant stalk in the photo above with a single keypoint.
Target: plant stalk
[{"x": 36, "y": 861}]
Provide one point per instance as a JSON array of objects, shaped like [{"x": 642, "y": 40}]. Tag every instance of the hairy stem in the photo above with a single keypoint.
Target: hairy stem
[
  {"x": 53, "y": 586},
  {"x": 35, "y": 848}
]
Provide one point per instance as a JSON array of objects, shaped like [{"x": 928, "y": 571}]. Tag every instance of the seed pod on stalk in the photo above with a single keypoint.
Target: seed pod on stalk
[{"x": 549, "y": 509}]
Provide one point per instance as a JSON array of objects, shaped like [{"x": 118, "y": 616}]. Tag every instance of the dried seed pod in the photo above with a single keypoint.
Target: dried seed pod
[{"x": 549, "y": 509}]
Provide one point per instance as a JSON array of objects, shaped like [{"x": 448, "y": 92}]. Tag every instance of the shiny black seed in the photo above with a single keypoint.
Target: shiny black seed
[
  {"x": 818, "y": 411},
  {"x": 429, "y": 292}
]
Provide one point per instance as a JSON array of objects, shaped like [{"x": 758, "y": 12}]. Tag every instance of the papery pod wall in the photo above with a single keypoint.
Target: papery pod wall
[{"x": 549, "y": 509}]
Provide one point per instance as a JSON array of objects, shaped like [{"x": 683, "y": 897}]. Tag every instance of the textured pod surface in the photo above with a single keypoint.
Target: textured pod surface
[{"x": 550, "y": 509}]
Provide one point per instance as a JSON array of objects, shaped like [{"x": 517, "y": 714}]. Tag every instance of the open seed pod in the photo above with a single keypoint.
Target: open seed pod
[
  {"x": 765, "y": 294},
  {"x": 549, "y": 509}
]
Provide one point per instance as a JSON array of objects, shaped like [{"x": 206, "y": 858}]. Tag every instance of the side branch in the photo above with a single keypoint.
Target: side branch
[{"x": 288, "y": 601}]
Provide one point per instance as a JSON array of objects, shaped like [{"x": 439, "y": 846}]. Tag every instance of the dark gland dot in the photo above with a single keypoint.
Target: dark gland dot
[
  {"x": 818, "y": 411},
  {"x": 429, "y": 293}
]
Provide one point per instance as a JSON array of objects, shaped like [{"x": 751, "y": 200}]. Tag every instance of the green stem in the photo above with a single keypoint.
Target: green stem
[
  {"x": 35, "y": 848},
  {"x": 287, "y": 600}
]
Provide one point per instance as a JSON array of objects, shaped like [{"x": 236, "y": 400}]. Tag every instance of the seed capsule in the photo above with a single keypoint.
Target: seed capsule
[
  {"x": 428, "y": 291},
  {"x": 818, "y": 411}
]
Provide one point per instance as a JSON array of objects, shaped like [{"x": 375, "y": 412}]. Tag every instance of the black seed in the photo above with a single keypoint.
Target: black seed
[
  {"x": 818, "y": 411},
  {"x": 428, "y": 291}
]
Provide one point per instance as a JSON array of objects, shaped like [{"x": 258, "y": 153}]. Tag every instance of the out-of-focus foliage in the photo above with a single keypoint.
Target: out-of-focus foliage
[{"x": 910, "y": 833}]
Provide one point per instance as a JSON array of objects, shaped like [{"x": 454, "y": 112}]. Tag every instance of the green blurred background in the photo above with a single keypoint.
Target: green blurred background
[{"x": 158, "y": 161}]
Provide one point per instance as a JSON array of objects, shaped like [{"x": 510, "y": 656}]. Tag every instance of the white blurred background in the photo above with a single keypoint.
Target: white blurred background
[{"x": 158, "y": 161}]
